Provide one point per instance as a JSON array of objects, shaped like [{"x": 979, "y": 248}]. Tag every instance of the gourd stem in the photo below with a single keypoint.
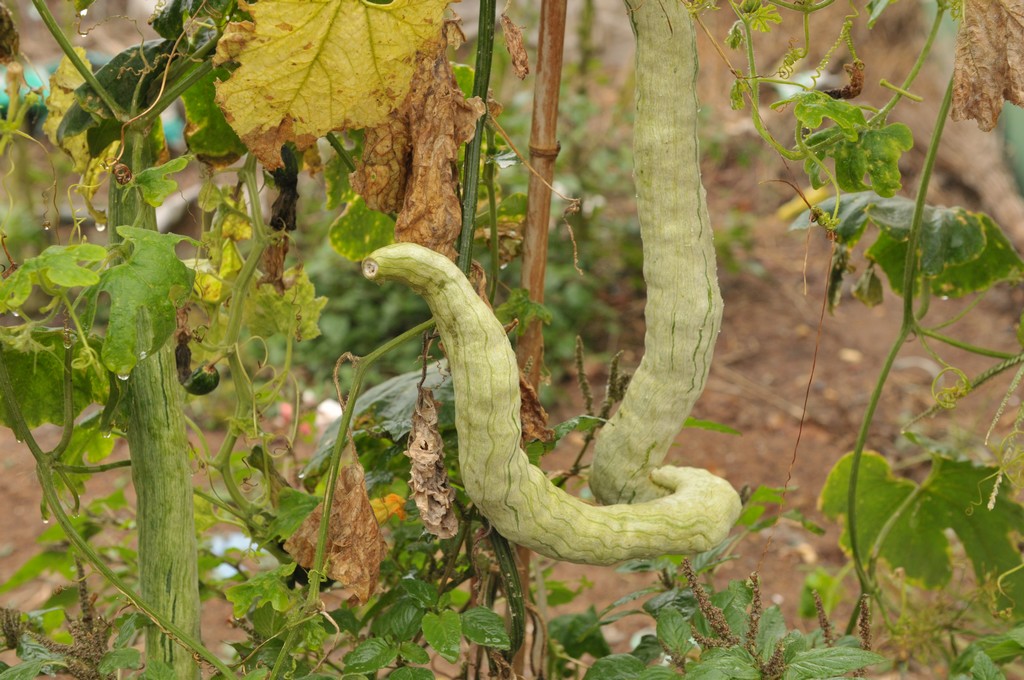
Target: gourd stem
[{"x": 471, "y": 165}]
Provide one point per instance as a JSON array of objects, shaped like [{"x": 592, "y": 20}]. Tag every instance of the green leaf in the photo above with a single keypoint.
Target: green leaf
[
  {"x": 413, "y": 653},
  {"x": 615, "y": 667},
  {"x": 829, "y": 662},
  {"x": 875, "y": 154},
  {"x": 875, "y": 9},
  {"x": 724, "y": 663},
  {"x": 674, "y": 632},
  {"x": 145, "y": 291},
  {"x": 370, "y": 656},
  {"x": 917, "y": 517},
  {"x": 359, "y": 231},
  {"x": 24, "y": 671},
  {"x": 155, "y": 184},
  {"x": 158, "y": 670},
  {"x": 648, "y": 649},
  {"x": 444, "y": 632},
  {"x": 121, "y": 79},
  {"x": 851, "y": 219},
  {"x": 812, "y": 108},
  {"x": 423, "y": 593},
  {"x": 658, "y": 673},
  {"x": 582, "y": 423},
  {"x": 579, "y": 634},
  {"x": 294, "y": 312},
  {"x": 770, "y": 630},
  {"x": 401, "y": 621},
  {"x": 293, "y": 507},
  {"x": 116, "y": 659},
  {"x": 128, "y": 628},
  {"x": 828, "y": 588},
  {"x": 269, "y": 587},
  {"x": 761, "y": 19},
  {"x": 35, "y": 363},
  {"x": 711, "y": 426},
  {"x": 520, "y": 306},
  {"x": 484, "y": 627},
  {"x": 54, "y": 269},
  {"x": 984, "y": 668},
  {"x": 410, "y": 673}
]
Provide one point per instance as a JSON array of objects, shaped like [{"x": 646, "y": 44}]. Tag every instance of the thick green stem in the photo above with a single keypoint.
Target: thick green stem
[
  {"x": 684, "y": 306},
  {"x": 160, "y": 469}
]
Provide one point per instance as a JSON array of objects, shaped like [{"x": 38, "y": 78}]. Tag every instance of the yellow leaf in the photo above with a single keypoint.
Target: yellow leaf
[
  {"x": 63, "y": 83},
  {"x": 307, "y": 67}
]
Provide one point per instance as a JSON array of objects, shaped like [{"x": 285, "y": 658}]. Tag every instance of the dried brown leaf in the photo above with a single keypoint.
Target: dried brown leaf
[
  {"x": 532, "y": 414},
  {"x": 355, "y": 547},
  {"x": 429, "y": 479},
  {"x": 440, "y": 120},
  {"x": 516, "y": 49},
  {"x": 381, "y": 173},
  {"x": 989, "y": 65}
]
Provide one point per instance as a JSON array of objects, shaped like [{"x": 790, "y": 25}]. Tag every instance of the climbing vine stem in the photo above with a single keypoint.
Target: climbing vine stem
[
  {"x": 908, "y": 325},
  {"x": 471, "y": 166}
]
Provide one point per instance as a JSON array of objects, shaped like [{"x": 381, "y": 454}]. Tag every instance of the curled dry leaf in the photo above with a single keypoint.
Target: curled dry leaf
[
  {"x": 532, "y": 414},
  {"x": 355, "y": 547},
  {"x": 410, "y": 164},
  {"x": 429, "y": 479},
  {"x": 989, "y": 65},
  {"x": 516, "y": 49}
]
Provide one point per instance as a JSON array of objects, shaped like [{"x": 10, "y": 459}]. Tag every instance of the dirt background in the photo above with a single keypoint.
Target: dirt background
[{"x": 775, "y": 348}]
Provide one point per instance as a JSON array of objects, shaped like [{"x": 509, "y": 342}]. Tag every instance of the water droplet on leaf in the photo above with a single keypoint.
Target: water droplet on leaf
[
  {"x": 101, "y": 227},
  {"x": 122, "y": 376}
]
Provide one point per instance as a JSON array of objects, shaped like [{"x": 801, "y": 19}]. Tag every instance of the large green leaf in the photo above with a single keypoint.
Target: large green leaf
[
  {"x": 56, "y": 268},
  {"x": 962, "y": 252},
  {"x": 293, "y": 507},
  {"x": 615, "y": 667},
  {"x": 444, "y": 631},
  {"x": 915, "y": 519},
  {"x": 829, "y": 662},
  {"x": 35, "y": 363},
  {"x": 370, "y": 656},
  {"x": 484, "y": 627},
  {"x": 359, "y": 231},
  {"x": 207, "y": 133},
  {"x": 121, "y": 79},
  {"x": 874, "y": 153},
  {"x": 145, "y": 290}
]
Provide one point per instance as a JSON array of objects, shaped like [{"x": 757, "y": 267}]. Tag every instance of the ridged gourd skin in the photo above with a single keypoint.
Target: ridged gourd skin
[
  {"x": 517, "y": 498},
  {"x": 684, "y": 306}
]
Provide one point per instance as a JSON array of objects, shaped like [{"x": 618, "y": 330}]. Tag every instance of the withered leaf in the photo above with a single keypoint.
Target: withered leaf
[
  {"x": 433, "y": 494},
  {"x": 532, "y": 414},
  {"x": 989, "y": 63},
  {"x": 440, "y": 120},
  {"x": 355, "y": 547},
  {"x": 381, "y": 173},
  {"x": 516, "y": 49},
  {"x": 273, "y": 264},
  {"x": 409, "y": 167}
]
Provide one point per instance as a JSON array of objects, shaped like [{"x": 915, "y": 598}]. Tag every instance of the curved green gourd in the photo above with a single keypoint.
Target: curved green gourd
[
  {"x": 521, "y": 503},
  {"x": 684, "y": 306}
]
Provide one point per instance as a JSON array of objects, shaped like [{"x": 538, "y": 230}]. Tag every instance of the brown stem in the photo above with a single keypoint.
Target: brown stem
[{"x": 543, "y": 151}]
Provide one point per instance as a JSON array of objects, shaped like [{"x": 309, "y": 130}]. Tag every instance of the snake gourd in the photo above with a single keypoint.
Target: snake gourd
[
  {"x": 684, "y": 306},
  {"x": 650, "y": 509},
  {"x": 520, "y": 502}
]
